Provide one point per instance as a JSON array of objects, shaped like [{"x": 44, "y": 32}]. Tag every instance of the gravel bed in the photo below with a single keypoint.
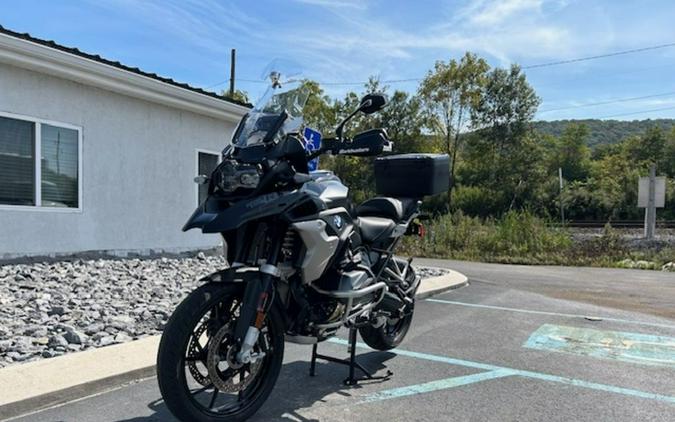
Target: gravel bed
[{"x": 49, "y": 309}]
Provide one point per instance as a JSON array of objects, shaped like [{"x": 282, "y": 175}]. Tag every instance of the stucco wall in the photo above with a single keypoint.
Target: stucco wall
[{"x": 138, "y": 163}]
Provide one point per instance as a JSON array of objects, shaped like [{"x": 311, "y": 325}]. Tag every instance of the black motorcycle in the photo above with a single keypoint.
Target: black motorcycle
[{"x": 303, "y": 261}]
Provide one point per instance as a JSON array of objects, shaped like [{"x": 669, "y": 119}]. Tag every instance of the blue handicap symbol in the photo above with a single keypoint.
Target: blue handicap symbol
[{"x": 312, "y": 143}]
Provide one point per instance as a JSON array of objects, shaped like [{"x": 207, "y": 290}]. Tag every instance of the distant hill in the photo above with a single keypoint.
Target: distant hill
[{"x": 605, "y": 131}]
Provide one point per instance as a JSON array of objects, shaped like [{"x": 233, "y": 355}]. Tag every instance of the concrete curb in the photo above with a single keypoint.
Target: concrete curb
[{"x": 32, "y": 386}]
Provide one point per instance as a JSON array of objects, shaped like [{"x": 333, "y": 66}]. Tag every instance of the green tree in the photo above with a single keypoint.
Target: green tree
[
  {"x": 448, "y": 94},
  {"x": 571, "y": 153},
  {"x": 667, "y": 163}
]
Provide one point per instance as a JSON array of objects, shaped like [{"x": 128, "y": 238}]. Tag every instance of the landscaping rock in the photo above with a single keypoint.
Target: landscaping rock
[
  {"x": 669, "y": 267},
  {"x": 49, "y": 309}
]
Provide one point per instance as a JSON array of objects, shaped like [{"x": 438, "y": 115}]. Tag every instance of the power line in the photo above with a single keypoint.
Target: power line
[
  {"x": 636, "y": 112},
  {"x": 618, "y": 100},
  {"x": 600, "y": 56},
  {"x": 534, "y": 66}
]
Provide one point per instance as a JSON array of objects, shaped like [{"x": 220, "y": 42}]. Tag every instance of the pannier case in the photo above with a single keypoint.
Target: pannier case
[{"x": 412, "y": 175}]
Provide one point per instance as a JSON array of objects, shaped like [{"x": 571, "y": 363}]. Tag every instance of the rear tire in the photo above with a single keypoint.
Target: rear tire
[
  {"x": 391, "y": 333},
  {"x": 171, "y": 358},
  {"x": 386, "y": 337}
]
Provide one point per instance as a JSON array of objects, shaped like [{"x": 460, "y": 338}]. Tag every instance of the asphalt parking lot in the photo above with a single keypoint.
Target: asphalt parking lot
[{"x": 513, "y": 345}]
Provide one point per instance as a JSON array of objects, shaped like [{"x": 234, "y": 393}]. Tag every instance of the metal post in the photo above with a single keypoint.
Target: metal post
[
  {"x": 562, "y": 207},
  {"x": 651, "y": 204},
  {"x": 232, "y": 66}
]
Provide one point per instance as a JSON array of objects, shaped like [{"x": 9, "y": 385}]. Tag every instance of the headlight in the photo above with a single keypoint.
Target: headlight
[{"x": 231, "y": 176}]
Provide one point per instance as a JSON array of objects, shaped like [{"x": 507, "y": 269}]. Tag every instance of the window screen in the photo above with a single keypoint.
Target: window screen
[
  {"x": 17, "y": 162},
  {"x": 59, "y": 158},
  {"x": 206, "y": 163}
]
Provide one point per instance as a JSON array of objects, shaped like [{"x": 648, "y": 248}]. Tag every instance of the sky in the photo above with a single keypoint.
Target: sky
[{"x": 342, "y": 43}]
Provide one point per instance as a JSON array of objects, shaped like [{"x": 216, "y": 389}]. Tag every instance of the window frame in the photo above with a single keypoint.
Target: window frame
[
  {"x": 196, "y": 172},
  {"x": 38, "y": 122}
]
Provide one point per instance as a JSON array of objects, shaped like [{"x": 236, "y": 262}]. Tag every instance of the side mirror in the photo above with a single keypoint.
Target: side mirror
[
  {"x": 372, "y": 103},
  {"x": 201, "y": 179}
]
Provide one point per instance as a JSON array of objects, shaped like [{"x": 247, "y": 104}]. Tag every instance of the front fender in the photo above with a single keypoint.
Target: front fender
[{"x": 233, "y": 275}]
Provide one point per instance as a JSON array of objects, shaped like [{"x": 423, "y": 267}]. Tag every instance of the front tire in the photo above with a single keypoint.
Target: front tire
[{"x": 183, "y": 370}]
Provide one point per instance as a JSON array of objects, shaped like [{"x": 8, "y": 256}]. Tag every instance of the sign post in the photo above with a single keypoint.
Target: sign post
[
  {"x": 562, "y": 208},
  {"x": 651, "y": 195}
]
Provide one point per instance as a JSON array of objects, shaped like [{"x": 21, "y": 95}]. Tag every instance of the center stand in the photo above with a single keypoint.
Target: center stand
[{"x": 351, "y": 362}]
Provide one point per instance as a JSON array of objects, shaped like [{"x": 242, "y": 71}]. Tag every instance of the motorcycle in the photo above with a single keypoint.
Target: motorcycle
[{"x": 303, "y": 261}]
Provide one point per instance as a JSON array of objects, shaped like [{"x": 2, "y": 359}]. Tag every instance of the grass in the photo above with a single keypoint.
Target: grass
[{"x": 522, "y": 238}]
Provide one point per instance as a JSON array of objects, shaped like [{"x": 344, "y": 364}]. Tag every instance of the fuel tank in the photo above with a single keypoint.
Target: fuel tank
[{"x": 328, "y": 187}]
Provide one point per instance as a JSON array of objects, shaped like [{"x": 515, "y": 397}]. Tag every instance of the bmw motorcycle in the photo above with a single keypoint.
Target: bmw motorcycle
[{"x": 303, "y": 261}]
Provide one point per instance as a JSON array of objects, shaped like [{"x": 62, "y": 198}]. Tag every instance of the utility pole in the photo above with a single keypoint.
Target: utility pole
[
  {"x": 232, "y": 65},
  {"x": 562, "y": 207},
  {"x": 650, "y": 214}
]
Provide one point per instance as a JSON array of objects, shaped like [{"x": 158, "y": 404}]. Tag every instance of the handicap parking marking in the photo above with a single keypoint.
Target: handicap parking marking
[
  {"x": 562, "y": 314},
  {"x": 493, "y": 372},
  {"x": 617, "y": 345}
]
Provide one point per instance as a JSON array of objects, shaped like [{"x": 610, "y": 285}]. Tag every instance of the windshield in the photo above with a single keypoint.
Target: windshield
[{"x": 282, "y": 98}]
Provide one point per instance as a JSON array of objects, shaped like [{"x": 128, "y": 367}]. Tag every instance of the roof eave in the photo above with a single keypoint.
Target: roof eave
[{"x": 40, "y": 58}]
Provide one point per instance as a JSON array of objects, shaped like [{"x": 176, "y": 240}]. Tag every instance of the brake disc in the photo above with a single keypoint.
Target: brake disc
[
  {"x": 195, "y": 353},
  {"x": 235, "y": 377}
]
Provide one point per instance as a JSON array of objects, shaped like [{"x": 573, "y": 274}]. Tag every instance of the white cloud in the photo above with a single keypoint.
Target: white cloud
[{"x": 497, "y": 12}]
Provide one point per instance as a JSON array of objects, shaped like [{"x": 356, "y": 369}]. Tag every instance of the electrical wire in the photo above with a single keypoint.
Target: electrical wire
[
  {"x": 618, "y": 100},
  {"x": 636, "y": 112}
]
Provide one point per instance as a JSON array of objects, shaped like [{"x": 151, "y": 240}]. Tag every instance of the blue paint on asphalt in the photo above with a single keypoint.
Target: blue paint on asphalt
[
  {"x": 627, "y": 347},
  {"x": 528, "y": 311},
  {"x": 443, "y": 384},
  {"x": 527, "y": 374}
]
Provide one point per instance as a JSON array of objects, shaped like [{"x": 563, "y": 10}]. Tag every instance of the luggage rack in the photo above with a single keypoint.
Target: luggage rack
[{"x": 351, "y": 380}]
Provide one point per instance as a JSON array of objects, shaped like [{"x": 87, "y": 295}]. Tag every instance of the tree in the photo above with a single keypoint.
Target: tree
[
  {"x": 647, "y": 148},
  {"x": 501, "y": 154},
  {"x": 448, "y": 95},
  {"x": 667, "y": 163},
  {"x": 571, "y": 153},
  {"x": 238, "y": 96}
]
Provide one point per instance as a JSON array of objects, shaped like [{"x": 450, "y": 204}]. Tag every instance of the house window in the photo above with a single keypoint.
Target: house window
[
  {"x": 206, "y": 163},
  {"x": 39, "y": 164}
]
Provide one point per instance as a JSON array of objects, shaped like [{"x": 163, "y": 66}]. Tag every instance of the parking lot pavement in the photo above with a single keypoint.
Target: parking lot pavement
[{"x": 494, "y": 350}]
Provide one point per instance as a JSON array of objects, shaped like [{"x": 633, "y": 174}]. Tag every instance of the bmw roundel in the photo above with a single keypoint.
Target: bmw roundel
[{"x": 337, "y": 220}]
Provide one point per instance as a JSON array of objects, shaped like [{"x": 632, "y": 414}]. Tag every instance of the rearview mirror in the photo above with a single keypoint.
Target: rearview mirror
[{"x": 372, "y": 103}]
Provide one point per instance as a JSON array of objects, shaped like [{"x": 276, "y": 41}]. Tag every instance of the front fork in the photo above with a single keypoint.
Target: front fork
[{"x": 258, "y": 298}]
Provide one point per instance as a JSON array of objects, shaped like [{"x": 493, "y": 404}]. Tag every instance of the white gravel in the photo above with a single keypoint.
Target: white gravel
[{"x": 49, "y": 309}]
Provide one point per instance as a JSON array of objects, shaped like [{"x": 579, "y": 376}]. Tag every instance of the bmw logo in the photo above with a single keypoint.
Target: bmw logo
[{"x": 337, "y": 220}]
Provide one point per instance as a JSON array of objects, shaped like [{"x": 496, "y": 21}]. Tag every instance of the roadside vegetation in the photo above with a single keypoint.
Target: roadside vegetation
[{"x": 523, "y": 238}]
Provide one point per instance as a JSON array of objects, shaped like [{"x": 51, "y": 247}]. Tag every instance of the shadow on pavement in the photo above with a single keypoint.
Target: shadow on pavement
[{"x": 296, "y": 390}]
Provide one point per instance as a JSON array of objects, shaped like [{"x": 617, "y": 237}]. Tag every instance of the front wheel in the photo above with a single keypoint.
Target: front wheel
[{"x": 197, "y": 372}]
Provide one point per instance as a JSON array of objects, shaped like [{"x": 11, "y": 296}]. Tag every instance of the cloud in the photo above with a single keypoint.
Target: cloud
[
  {"x": 336, "y": 4},
  {"x": 497, "y": 12}
]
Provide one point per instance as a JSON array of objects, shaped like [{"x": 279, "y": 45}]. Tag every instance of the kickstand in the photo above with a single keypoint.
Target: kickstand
[{"x": 351, "y": 362}]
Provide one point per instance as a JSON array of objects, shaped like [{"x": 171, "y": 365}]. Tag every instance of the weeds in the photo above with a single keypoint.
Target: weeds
[{"x": 522, "y": 238}]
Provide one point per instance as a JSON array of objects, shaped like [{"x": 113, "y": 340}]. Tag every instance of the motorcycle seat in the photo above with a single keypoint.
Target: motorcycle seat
[
  {"x": 394, "y": 208},
  {"x": 375, "y": 228}
]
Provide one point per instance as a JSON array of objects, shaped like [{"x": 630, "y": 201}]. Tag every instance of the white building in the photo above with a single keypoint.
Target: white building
[{"x": 98, "y": 156}]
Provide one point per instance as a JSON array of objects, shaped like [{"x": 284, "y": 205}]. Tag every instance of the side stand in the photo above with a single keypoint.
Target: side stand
[{"x": 351, "y": 362}]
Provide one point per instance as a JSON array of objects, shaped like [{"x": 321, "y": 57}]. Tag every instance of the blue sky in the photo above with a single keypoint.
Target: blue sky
[{"x": 349, "y": 40}]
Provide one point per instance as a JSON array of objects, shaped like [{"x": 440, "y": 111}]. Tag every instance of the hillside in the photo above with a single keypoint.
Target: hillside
[{"x": 605, "y": 131}]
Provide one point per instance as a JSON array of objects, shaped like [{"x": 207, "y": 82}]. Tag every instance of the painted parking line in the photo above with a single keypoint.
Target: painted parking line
[
  {"x": 617, "y": 345},
  {"x": 443, "y": 384},
  {"x": 519, "y": 372},
  {"x": 528, "y": 311}
]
